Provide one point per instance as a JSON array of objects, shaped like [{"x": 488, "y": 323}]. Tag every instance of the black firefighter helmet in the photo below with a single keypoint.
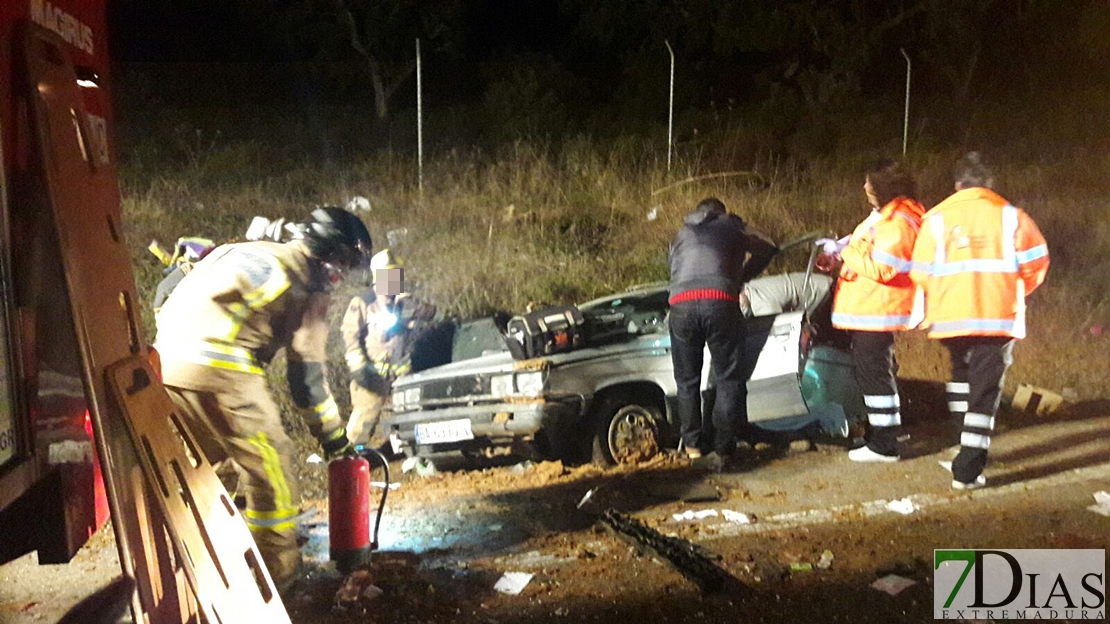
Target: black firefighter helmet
[{"x": 336, "y": 236}]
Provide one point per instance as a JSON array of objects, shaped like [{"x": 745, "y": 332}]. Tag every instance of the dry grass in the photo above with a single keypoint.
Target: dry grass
[{"x": 539, "y": 222}]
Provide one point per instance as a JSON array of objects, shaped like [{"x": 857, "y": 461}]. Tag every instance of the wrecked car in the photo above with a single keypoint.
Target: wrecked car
[{"x": 612, "y": 401}]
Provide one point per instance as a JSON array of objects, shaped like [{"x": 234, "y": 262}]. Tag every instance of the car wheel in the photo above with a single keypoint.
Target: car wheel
[{"x": 626, "y": 432}]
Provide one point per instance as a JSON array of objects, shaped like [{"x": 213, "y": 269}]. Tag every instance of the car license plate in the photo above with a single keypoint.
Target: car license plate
[{"x": 446, "y": 431}]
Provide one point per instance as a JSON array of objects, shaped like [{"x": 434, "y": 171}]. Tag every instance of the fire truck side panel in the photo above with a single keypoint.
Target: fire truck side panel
[{"x": 51, "y": 495}]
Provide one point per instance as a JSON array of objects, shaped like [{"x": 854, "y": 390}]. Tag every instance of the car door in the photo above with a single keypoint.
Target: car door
[{"x": 772, "y": 347}]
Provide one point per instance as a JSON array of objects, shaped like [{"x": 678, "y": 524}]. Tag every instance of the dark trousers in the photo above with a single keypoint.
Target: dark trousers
[
  {"x": 720, "y": 324},
  {"x": 875, "y": 368},
  {"x": 979, "y": 365}
]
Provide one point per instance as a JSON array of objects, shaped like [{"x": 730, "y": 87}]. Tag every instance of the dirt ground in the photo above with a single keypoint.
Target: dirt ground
[{"x": 446, "y": 539}]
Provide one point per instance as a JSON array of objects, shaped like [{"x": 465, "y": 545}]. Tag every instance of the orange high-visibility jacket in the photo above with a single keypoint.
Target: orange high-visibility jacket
[
  {"x": 874, "y": 292},
  {"x": 976, "y": 258}
]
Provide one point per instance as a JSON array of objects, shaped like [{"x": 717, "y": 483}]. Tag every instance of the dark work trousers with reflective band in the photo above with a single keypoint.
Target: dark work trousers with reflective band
[
  {"x": 720, "y": 324},
  {"x": 875, "y": 368},
  {"x": 979, "y": 366}
]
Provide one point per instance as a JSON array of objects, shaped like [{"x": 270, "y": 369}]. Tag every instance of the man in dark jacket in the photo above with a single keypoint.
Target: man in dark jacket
[{"x": 712, "y": 256}]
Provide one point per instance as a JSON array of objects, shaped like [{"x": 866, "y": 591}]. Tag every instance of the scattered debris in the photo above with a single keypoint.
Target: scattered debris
[
  {"x": 426, "y": 468},
  {"x": 314, "y": 459},
  {"x": 801, "y": 567},
  {"x": 903, "y": 506},
  {"x": 512, "y": 583},
  {"x": 1037, "y": 400},
  {"x": 826, "y": 560},
  {"x": 653, "y": 214},
  {"x": 358, "y": 203},
  {"x": 355, "y": 586},
  {"x": 495, "y": 527},
  {"x": 893, "y": 584},
  {"x": 689, "y": 559},
  {"x": 736, "y": 517},
  {"x": 690, "y": 514},
  {"x": 421, "y": 465},
  {"x": 1102, "y": 504},
  {"x": 589, "y": 494},
  {"x": 393, "y": 485},
  {"x": 520, "y": 468}
]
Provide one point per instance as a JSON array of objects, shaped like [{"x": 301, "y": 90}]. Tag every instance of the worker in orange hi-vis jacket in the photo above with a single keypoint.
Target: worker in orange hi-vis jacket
[
  {"x": 977, "y": 258},
  {"x": 875, "y": 298}
]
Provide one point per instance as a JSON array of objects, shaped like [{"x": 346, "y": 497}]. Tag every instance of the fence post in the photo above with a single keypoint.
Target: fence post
[
  {"x": 906, "y": 120},
  {"x": 419, "y": 121},
  {"x": 670, "y": 109}
]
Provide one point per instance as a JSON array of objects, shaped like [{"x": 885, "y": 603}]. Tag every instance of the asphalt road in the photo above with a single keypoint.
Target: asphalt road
[{"x": 447, "y": 539}]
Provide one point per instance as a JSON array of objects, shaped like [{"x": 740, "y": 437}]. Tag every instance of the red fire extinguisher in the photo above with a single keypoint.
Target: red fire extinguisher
[{"x": 349, "y": 510}]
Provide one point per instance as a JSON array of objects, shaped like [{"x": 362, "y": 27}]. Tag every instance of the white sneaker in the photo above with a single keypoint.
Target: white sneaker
[
  {"x": 865, "y": 454},
  {"x": 979, "y": 482}
]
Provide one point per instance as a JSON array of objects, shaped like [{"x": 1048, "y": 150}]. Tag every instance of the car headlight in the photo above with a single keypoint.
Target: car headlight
[
  {"x": 530, "y": 384},
  {"x": 412, "y": 396},
  {"x": 501, "y": 385}
]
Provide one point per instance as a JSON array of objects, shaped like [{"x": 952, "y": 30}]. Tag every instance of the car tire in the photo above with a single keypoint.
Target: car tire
[{"x": 626, "y": 430}]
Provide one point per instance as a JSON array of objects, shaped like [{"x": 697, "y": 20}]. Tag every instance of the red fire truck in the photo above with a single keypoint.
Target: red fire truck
[{"x": 86, "y": 428}]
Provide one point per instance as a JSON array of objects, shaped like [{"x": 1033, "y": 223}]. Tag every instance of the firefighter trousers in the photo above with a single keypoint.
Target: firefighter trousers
[
  {"x": 979, "y": 365},
  {"x": 875, "y": 368},
  {"x": 366, "y": 411},
  {"x": 243, "y": 424}
]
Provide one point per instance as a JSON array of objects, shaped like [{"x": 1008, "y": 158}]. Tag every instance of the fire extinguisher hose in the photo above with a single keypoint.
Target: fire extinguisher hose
[{"x": 366, "y": 451}]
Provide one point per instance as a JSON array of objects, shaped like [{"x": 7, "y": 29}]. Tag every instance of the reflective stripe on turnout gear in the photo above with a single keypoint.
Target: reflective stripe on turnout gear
[
  {"x": 322, "y": 413},
  {"x": 355, "y": 360},
  {"x": 223, "y": 356},
  {"x": 283, "y": 514},
  {"x": 267, "y": 278}
]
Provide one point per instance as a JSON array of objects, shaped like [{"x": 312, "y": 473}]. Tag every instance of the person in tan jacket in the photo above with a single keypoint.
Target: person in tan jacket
[
  {"x": 226, "y": 320},
  {"x": 379, "y": 329}
]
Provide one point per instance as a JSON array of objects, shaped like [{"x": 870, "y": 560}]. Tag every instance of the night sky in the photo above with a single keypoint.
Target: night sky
[
  {"x": 573, "y": 58},
  {"x": 214, "y": 30}
]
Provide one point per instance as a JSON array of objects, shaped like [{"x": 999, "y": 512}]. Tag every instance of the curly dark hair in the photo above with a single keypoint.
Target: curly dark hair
[
  {"x": 971, "y": 172},
  {"x": 890, "y": 180}
]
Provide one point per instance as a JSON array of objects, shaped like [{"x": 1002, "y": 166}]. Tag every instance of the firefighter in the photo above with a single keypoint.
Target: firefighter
[
  {"x": 379, "y": 330},
  {"x": 227, "y": 318},
  {"x": 711, "y": 258},
  {"x": 977, "y": 258},
  {"x": 875, "y": 298}
]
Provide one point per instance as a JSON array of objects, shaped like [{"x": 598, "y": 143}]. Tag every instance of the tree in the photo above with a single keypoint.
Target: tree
[{"x": 381, "y": 34}]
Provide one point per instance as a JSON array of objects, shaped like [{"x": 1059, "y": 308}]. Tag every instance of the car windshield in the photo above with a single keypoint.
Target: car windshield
[{"x": 637, "y": 312}]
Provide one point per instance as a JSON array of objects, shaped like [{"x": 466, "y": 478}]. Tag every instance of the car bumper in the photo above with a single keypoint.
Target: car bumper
[{"x": 494, "y": 424}]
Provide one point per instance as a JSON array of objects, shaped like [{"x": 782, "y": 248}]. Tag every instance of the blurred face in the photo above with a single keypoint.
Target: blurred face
[
  {"x": 389, "y": 282},
  {"x": 868, "y": 190}
]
